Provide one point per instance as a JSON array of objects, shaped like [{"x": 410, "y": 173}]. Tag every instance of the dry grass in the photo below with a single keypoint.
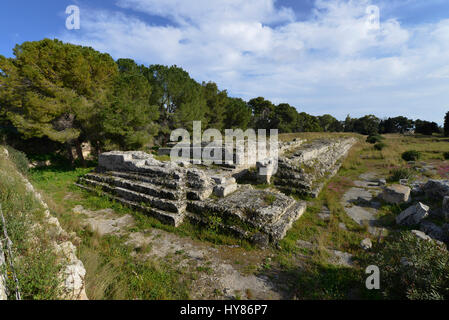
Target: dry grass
[{"x": 316, "y": 135}]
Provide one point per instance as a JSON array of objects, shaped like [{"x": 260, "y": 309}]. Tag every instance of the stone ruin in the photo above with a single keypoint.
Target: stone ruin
[{"x": 173, "y": 191}]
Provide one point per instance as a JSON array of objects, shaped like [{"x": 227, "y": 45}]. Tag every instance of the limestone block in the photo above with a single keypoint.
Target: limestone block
[
  {"x": 223, "y": 190},
  {"x": 413, "y": 215},
  {"x": 396, "y": 194}
]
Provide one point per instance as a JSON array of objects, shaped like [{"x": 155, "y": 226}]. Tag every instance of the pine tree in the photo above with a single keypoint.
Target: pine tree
[
  {"x": 56, "y": 90},
  {"x": 446, "y": 125}
]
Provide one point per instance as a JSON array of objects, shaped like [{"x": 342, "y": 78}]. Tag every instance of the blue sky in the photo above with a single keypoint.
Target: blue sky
[{"x": 318, "y": 55}]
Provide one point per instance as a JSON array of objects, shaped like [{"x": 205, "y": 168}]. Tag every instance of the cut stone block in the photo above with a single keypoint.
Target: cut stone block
[
  {"x": 396, "y": 194},
  {"x": 413, "y": 215},
  {"x": 223, "y": 190},
  {"x": 265, "y": 170}
]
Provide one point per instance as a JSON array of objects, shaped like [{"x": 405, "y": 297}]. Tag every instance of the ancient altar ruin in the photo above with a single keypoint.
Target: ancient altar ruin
[{"x": 258, "y": 208}]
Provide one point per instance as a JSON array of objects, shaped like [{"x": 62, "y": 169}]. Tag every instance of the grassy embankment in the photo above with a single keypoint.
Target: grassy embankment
[{"x": 35, "y": 261}]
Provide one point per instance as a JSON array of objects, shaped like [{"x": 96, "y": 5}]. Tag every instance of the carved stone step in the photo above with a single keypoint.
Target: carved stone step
[
  {"x": 159, "y": 181},
  {"x": 162, "y": 204},
  {"x": 169, "y": 218},
  {"x": 141, "y": 187},
  {"x": 279, "y": 229}
]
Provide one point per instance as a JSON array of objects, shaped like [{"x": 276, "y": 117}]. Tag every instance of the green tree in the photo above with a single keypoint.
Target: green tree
[
  {"x": 285, "y": 117},
  {"x": 426, "y": 127},
  {"x": 349, "y": 124},
  {"x": 329, "y": 124},
  {"x": 446, "y": 125},
  {"x": 367, "y": 125},
  {"x": 180, "y": 98},
  {"x": 56, "y": 90},
  {"x": 238, "y": 114},
  {"x": 396, "y": 125},
  {"x": 307, "y": 123},
  {"x": 263, "y": 113},
  {"x": 216, "y": 105},
  {"x": 129, "y": 121}
]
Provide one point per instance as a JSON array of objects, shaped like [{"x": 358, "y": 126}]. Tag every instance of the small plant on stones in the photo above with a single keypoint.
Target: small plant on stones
[{"x": 270, "y": 199}]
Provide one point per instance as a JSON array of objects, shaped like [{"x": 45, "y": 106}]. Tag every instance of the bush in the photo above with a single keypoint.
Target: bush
[
  {"x": 19, "y": 159},
  {"x": 374, "y": 139},
  {"x": 380, "y": 146},
  {"x": 411, "y": 155},
  {"x": 412, "y": 268},
  {"x": 446, "y": 155},
  {"x": 400, "y": 173}
]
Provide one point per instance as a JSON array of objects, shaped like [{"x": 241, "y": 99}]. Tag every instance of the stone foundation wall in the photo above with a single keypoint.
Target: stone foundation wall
[{"x": 306, "y": 170}]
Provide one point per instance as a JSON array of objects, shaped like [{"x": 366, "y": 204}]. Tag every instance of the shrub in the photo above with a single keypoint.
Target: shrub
[
  {"x": 397, "y": 174},
  {"x": 411, "y": 155},
  {"x": 19, "y": 159},
  {"x": 446, "y": 155},
  {"x": 412, "y": 268},
  {"x": 374, "y": 139},
  {"x": 380, "y": 146}
]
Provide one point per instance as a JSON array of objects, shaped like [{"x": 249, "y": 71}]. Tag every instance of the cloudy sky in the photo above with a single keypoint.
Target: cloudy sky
[{"x": 322, "y": 56}]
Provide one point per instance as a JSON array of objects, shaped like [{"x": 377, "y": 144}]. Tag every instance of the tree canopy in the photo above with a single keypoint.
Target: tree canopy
[{"x": 70, "y": 94}]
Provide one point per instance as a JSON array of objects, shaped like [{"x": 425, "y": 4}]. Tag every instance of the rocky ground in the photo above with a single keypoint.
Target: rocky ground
[
  {"x": 361, "y": 202},
  {"x": 219, "y": 274}
]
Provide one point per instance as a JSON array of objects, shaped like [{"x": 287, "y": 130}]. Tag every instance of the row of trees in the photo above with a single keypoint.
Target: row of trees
[{"x": 69, "y": 94}]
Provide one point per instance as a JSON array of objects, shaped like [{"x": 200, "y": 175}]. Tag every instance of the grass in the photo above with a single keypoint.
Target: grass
[{"x": 36, "y": 263}]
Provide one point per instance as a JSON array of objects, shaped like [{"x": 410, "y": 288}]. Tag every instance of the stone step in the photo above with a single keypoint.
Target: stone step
[
  {"x": 279, "y": 229},
  {"x": 169, "y": 218},
  {"x": 141, "y": 177},
  {"x": 141, "y": 187},
  {"x": 162, "y": 204}
]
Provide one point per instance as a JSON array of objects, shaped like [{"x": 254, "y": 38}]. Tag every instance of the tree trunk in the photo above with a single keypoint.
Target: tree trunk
[
  {"x": 79, "y": 152},
  {"x": 70, "y": 154}
]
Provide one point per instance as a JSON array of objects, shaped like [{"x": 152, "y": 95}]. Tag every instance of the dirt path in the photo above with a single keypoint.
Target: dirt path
[{"x": 219, "y": 272}]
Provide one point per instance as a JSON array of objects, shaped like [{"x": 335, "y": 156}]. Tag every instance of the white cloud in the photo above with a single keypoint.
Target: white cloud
[{"x": 330, "y": 63}]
